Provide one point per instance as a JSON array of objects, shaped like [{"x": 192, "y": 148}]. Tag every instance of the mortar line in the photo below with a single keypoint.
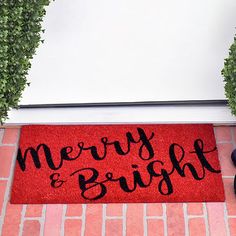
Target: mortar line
[
  {"x": 124, "y": 219},
  {"x": 186, "y": 219},
  {"x": 8, "y": 187},
  {"x": 165, "y": 219},
  {"x": 114, "y": 217},
  {"x": 226, "y": 220},
  {"x": 63, "y": 219},
  {"x": 104, "y": 208},
  {"x": 195, "y": 216},
  {"x": 84, "y": 206},
  {"x": 2, "y": 130},
  {"x": 232, "y": 137},
  {"x": 73, "y": 217},
  {"x": 145, "y": 229},
  {"x": 206, "y": 219},
  {"x": 32, "y": 218},
  {"x": 22, "y": 220},
  {"x": 42, "y": 221},
  {"x": 7, "y": 145},
  {"x": 154, "y": 217},
  {"x": 224, "y": 142},
  {"x": 227, "y": 177}
]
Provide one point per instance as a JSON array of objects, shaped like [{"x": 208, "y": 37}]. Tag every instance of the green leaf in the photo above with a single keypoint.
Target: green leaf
[{"x": 229, "y": 74}]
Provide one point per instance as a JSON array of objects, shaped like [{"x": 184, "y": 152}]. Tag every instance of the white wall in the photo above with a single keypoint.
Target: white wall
[{"x": 132, "y": 50}]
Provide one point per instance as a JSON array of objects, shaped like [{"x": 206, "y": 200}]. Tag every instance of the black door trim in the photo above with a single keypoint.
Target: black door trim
[{"x": 222, "y": 102}]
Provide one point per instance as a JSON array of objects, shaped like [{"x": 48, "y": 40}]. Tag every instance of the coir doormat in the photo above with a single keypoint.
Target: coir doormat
[{"x": 117, "y": 163}]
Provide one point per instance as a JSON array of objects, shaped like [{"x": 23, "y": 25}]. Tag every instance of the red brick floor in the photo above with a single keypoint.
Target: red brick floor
[{"x": 177, "y": 219}]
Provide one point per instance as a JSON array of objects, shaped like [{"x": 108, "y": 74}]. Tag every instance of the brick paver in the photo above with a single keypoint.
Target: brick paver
[
  {"x": 94, "y": 218},
  {"x": 195, "y": 208},
  {"x": 12, "y": 220},
  {"x": 216, "y": 218},
  {"x": 224, "y": 150},
  {"x": 232, "y": 226},
  {"x": 230, "y": 197},
  {"x": 53, "y": 220},
  {"x": 175, "y": 219},
  {"x": 10, "y": 136},
  {"x": 114, "y": 209},
  {"x": 223, "y": 133},
  {"x": 155, "y": 227},
  {"x": 3, "y": 185},
  {"x": 74, "y": 210},
  {"x": 6, "y": 155},
  {"x": 135, "y": 224},
  {"x": 31, "y": 227},
  {"x": 118, "y": 219},
  {"x": 114, "y": 228},
  {"x": 154, "y": 209},
  {"x": 34, "y": 210},
  {"x": 197, "y": 227},
  {"x": 72, "y": 227}
]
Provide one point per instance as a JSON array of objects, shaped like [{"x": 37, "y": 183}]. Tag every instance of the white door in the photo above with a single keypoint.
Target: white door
[{"x": 98, "y": 51}]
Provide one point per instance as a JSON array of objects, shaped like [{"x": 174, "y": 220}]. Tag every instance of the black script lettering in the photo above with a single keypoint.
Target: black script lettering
[
  {"x": 176, "y": 163},
  {"x": 164, "y": 187},
  {"x": 94, "y": 152},
  {"x": 87, "y": 184},
  {"x": 165, "y": 180},
  {"x": 92, "y": 183},
  {"x": 67, "y": 150},
  {"x": 137, "y": 180},
  {"x": 35, "y": 155},
  {"x": 199, "y": 150},
  {"x": 130, "y": 139},
  {"x": 154, "y": 169},
  {"x": 146, "y": 144},
  {"x": 117, "y": 145}
]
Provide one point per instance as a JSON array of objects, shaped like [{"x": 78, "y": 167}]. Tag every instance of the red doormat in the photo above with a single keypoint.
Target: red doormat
[{"x": 117, "y": 163}]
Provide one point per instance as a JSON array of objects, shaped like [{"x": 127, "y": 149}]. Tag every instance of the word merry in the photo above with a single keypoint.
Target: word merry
[{"x": 65, "y": 152}]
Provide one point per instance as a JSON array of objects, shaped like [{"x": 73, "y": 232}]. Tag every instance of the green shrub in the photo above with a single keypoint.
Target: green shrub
[
  {"x": 229, "y": 73},
  {"x": 20, "y": 35}
]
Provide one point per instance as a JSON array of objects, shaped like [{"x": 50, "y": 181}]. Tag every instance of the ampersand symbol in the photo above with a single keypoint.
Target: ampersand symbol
[{"x": 55, "y": 181}]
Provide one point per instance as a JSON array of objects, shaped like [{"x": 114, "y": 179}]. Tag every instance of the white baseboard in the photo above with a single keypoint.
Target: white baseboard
[{"x": 149, "y": 114}]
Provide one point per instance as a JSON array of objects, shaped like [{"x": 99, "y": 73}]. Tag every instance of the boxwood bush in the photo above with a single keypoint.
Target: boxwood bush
[
  {"x": 229, "y": 73},
  {"x": 20, "y": 35}
]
